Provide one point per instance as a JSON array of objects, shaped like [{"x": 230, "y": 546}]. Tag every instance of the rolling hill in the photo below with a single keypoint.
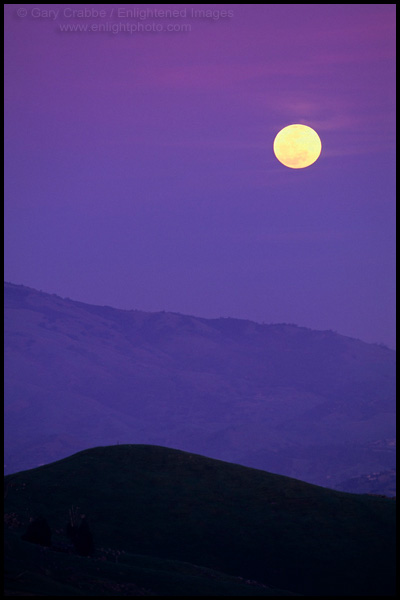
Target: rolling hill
[
  {"x": 167, "y": 522},
  {"x": 308, "y": 404}
]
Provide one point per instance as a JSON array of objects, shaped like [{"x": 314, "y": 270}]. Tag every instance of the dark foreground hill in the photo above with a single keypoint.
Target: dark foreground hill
[
  {"x": 313, "y": 405},
  {"x": 176, "y": 523}
]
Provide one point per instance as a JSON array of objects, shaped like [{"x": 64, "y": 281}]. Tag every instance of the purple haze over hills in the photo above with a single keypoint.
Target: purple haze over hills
[
  {"x": 140, "y": 172},
  {"x": 313, "y": 405}
]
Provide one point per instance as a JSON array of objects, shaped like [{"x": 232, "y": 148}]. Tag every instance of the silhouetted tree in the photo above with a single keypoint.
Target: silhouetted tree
[
  {"x": 84, "y": 539},
  {"x": 38, "y": 532},
  {"x": 80, "y": 534}
]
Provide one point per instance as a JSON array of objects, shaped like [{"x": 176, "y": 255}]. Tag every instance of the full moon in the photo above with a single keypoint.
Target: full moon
[{"x": 297, "y": 146}]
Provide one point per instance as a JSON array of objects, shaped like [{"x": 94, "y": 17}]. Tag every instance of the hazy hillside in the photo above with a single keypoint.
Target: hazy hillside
[
  {"x": 309, "y": 404},
  {"x": 373, "y": 483},
  {"x": 173, "y": 516}
]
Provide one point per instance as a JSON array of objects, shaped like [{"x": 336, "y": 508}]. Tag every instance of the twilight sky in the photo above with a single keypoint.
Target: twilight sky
[{"x": 140, "y": 172}]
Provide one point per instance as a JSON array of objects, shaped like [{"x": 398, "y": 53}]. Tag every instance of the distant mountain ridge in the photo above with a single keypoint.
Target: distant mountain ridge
[{"x": 313, "y": 405}]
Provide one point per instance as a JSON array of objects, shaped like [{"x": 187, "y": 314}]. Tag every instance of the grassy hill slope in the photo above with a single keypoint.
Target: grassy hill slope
[
  {"x": 32, "y": 570},
  {"x": 178, "y": 506}
]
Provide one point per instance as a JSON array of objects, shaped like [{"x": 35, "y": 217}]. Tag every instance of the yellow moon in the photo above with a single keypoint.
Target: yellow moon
[{"x": 297, "y": 146}]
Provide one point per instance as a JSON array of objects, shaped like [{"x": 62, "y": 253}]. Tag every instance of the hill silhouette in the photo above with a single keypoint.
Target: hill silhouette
[
  {"x": 170, "y": 505},
  {"x": 313, "y": 405}
]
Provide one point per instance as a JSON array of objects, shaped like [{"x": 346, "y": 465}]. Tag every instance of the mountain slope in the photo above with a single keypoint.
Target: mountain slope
[
  {"x": 31, "y": 570},
  {"x": 179, "y": 506},
  {"x": 309, "y": 404}
]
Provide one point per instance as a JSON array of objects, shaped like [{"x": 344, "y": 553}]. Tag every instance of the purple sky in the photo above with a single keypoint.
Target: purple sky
[{"x": 140, "y": 171}]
